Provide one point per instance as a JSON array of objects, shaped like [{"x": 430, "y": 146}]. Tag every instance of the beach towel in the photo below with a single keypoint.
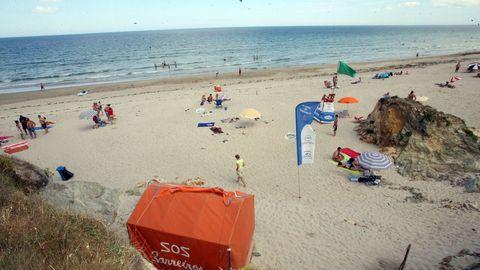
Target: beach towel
[
  {"x": 15, "y": 147},
  {"x": 352, "y": 172},
  {"x": 41, "y": 128},
  {"x": 206, "y": 124},
  {"x": 349, "y": 152},
  {"x": 200, "y": 110},
  {"x": 3, "y": 138}
]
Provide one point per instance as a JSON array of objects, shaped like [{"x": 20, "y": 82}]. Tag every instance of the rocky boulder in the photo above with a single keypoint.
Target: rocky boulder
[
  {"x": 84, "y": 197},
  {"x": 23, "y": 174},
  {"x": 426, "y": 144}
]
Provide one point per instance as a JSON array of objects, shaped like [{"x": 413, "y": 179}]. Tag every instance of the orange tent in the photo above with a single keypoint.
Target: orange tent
[
  {"x": 348, "y": 100},
  {"x": 218, "y": 88},
  {"x": 184, "y": 227}
]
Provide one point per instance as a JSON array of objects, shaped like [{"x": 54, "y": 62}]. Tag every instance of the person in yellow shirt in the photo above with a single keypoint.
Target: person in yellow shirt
[{"x": 239, "y": 170}]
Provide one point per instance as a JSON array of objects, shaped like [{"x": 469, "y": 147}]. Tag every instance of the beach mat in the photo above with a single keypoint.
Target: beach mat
[
  {"x": 15, "y": 147},
  {"x": 206, "y": 124},
  {"x": 352, "y": 172},
  {"x": 4, "y": 138},
  {"x": 41, "y": 128}
]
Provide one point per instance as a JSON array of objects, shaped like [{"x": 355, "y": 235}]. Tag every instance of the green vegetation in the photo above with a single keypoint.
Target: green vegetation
[
  {"x": 36, "y": 235},
  {"x": 429, "y": 116},
  {"x": 470, "y": 134}
]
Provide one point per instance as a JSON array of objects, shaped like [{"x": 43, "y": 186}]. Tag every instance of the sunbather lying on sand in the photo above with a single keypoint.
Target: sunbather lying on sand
[
  {"x": 351, "y": 164},
  {"x": 357, "y": 81},
  {"x": 446, "y": 84}
]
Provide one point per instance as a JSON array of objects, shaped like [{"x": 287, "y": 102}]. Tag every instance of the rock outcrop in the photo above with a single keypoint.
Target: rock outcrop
[
  {"x": 84, "y": 197},
  {"x": 25, "y": 175},
  {"x": 426, "y": 144}
]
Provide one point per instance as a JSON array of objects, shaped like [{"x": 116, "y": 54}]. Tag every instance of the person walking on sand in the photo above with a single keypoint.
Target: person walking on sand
[
  {"x": 335, "y": 125},
  {"x": 239, "y": 170},
  {"x": 457, "y": 67},
  {"x": 239, "y": 71}
]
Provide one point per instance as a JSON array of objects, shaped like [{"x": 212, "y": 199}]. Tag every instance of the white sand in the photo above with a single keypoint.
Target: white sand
[{"x": 156, "y": 136}]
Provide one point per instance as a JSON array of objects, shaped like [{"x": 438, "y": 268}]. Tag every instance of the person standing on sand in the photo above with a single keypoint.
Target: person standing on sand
[
  {"x": 335, "y": 125},
  {"x": 31, "y": 128},
  {"x": 17, "y": 124},
  {"x": 23, "y": 122},
  {"x": 239, "y": 170},
  {"x": 239, "y": 71},
  {"x": 43, "y": 123},
  {"x": 457, "y": 67},
  {"x": 335, "y": 80}
]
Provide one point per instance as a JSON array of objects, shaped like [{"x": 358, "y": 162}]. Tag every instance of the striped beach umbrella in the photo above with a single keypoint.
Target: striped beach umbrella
[{"x": 374, "y": 161}]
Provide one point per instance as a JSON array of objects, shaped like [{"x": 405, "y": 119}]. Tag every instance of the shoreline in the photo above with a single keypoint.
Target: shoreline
[{"x": 233, "y": 78}]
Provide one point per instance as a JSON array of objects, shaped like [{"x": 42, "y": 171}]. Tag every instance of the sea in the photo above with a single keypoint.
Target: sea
[{"x": 85, "y": 59}]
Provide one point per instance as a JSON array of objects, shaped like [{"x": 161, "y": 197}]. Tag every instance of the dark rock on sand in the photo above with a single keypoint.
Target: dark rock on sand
[{"x": 425, "y": 143}]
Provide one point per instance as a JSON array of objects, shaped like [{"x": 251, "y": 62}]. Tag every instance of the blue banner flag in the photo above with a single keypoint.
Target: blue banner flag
[{"x": 305, "y": 133}]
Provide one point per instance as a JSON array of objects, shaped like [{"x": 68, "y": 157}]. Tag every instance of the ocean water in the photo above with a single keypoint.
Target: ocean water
[{"x": 58, "y": 61}]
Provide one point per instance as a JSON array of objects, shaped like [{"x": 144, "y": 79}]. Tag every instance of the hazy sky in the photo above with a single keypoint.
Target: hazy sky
[{"x": 51, "y": 17}]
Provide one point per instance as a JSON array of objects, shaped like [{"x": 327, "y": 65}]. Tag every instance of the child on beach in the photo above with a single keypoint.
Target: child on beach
[
  {"x": 17, "y": 124},
  {"x": 457, "y": 67},
  {"x": 335, "y": 125},
  {"x": 239, "y": 170}
]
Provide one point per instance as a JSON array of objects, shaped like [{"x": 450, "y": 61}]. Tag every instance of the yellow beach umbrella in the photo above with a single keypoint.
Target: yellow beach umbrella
[{"x": 250, "y": 113}]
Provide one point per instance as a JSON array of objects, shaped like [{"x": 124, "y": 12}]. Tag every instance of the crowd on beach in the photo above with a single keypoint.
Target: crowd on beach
[
  {"x": 26, "y": 126},
  {"x": 107, "y": 111}
]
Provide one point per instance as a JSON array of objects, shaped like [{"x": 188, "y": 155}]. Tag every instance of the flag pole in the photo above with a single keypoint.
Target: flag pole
[{"x": 298, "y": 178}]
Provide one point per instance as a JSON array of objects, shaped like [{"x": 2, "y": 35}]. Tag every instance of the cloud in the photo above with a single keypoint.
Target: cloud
[
  {"x": 410, "y": 4},
  {"x": 458, "y": 3},
  {"x": 43, "y": 10}
]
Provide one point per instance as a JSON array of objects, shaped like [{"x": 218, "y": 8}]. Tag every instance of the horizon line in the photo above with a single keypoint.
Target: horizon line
[{"x": 228, "y": 27}]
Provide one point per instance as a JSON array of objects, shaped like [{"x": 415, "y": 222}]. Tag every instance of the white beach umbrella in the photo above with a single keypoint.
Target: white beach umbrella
[{"x": 87, "y": 114}]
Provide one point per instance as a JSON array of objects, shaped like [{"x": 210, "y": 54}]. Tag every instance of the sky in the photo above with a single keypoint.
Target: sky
[{"x": 55, "y": 17}]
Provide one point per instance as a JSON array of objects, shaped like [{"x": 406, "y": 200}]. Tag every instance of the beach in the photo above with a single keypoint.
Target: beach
[{"x": 336, "y": 224}]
